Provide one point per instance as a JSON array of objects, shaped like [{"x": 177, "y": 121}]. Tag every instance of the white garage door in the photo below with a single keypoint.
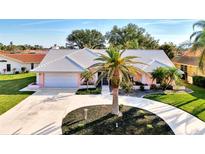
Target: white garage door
[{"x": 61, "y": 80}]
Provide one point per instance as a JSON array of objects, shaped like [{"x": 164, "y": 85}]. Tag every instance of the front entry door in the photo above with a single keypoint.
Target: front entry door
[
  {"x": 105, "y": 81},
  {"x": 8, "y": 67}
]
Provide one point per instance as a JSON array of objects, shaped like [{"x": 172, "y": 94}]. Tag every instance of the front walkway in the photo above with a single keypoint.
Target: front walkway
[
  {"x": 105, "y": 90},
  {"x": 42, "y": 112}
]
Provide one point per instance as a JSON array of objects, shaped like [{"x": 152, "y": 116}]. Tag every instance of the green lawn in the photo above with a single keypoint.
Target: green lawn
[
  {"x": 9, "y": 89},
  {"x": 193, "y": 103}
]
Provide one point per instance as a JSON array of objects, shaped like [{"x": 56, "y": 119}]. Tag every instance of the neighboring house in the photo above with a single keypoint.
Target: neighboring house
[
  {"x": 62, "y": 68},
  {"x": 189, "y": 64},
  {"x": 11, "y": 63},
  {"x": 44, "y": 51}
]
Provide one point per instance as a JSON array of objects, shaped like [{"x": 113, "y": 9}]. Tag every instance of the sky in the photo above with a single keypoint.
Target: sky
[{"x": 48, "y": 32}]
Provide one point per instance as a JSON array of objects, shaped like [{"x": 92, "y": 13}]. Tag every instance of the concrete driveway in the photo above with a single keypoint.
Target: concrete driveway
[{"x": 42, "y": 112}]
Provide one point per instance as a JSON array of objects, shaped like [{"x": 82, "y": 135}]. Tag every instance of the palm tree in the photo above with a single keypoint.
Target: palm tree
[
  {"x": 87, "y": 76},
  {"x": 115, "y": 67},
  {"x": 173, "y": 74},
  {"x": 159, "y": 74},
  {"x": 198, "y": 38},
  {"x": 166, "y": 75}
]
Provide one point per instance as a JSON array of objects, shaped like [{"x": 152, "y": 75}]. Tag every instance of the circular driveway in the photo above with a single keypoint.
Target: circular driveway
[{"x": 42, "y": 112}]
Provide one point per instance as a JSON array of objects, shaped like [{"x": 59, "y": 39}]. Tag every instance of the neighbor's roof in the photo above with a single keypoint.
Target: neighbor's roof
[
  {"x": 187, "y": 60},
  {"x": 25, "y": 58},
  {"x": 190, "y": 53},
  {"x": 44, "y": 51},
  {"x": 62, "y": 60}
]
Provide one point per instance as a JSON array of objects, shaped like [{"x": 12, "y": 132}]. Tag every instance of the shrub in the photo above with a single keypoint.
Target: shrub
[
  {"x": 4, "y": 70},
  {"x": 164, "y": 86},
  {"x": 23, "y": 69},
  {"x": 14, "y": 70},
  {"x": 121, "y": 107},
  {"x": 88, "y": 91},
  {"x": 199, "y": 81},
  {"x": 142, "y": 87},
  {"x": 137, "y": 83},
  {"x": 17, "y": 72},
  {"x": 127, "y": 86},
  {"x": 153, "y": 86}
]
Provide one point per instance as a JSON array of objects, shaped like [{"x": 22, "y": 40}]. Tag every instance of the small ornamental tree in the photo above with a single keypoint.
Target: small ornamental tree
[
  {"x": 166, "y": 76},
  {"x": 4, "y": 70},
  {"x": 159, "y": 74},
  {"x": 14, "y": 70}
]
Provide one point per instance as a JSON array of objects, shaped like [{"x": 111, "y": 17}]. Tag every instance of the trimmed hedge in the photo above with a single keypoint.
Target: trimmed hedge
[
  {"x": 199, "y": 81},
  {"x": 88, "y": 91}
]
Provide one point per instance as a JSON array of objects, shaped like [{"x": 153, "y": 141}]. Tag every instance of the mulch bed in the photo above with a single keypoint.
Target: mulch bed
[{"x": 100, "y": 121}]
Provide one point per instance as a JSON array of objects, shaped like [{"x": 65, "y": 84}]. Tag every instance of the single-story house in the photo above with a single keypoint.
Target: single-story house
[
  {"x": 61, "y": 68},
  {"x": 188, "y": 62},
  {"x": 12, "y": 63}
]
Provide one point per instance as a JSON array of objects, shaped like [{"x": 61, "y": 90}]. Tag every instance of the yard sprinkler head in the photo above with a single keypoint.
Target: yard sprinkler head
[{"x": 85, "y": 114}]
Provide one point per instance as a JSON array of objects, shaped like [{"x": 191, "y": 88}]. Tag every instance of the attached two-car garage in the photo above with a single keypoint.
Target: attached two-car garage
[{"x": 61, "y": 80}]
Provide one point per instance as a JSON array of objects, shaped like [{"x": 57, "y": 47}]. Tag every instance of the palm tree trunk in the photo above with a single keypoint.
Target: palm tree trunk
[
  {"x": 115, "y": 104},
  {"x": 87, "y": 85}
]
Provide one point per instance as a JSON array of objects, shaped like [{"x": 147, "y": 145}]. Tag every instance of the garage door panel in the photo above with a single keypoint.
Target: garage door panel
[{"x": 61, "y": 80}]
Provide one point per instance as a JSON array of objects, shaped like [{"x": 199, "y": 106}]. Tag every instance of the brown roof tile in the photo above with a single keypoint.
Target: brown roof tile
[
  {"x": 25, "y": 58},
  {"x": 187, "y": 60}
]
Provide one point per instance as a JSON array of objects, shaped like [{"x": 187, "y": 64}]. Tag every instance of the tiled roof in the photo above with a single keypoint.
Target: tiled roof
[
  {"x": 45, "y": 51},
  {"x": 187, "y": 60},
  {"x": 25, "y": 58},
  {"x": 190, "y": 53}
]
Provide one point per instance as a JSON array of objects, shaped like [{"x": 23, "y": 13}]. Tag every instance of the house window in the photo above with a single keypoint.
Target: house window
[
  {"x": 8, "y": 67},
  {"x": 32, "y": 65},
  {"x": 184, "y": 68},
  {"x": 3, "y": 61}
]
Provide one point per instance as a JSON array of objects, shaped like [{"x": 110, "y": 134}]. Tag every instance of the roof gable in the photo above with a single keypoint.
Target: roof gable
[
  {"x": 84, "y": 58},
  {"x": 63, "y": 64}
]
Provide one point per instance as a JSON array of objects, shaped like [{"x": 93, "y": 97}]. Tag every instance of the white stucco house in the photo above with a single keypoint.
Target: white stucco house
[
  {"x": 61, "y": 68},
  {"x": 11, "y": 63}
]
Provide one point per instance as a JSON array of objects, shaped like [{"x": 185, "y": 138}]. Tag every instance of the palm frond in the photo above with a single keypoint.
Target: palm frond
[
  {"x": 102, "y": 75},
  {"x": 200, "y": 24},
  {"x": 102, "y": 57},
  {"x": 124, "y": 76},
  {"x": 96, "y": 65},
  {"x": 109, "y": 53},
  {"x": 121, "y": 53},
  {"x": 202, "y": 61},
  {"x": 196, "y": 34},
  {"x": 115, "y": 67},
  {"x": 110, "y": 73}
]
